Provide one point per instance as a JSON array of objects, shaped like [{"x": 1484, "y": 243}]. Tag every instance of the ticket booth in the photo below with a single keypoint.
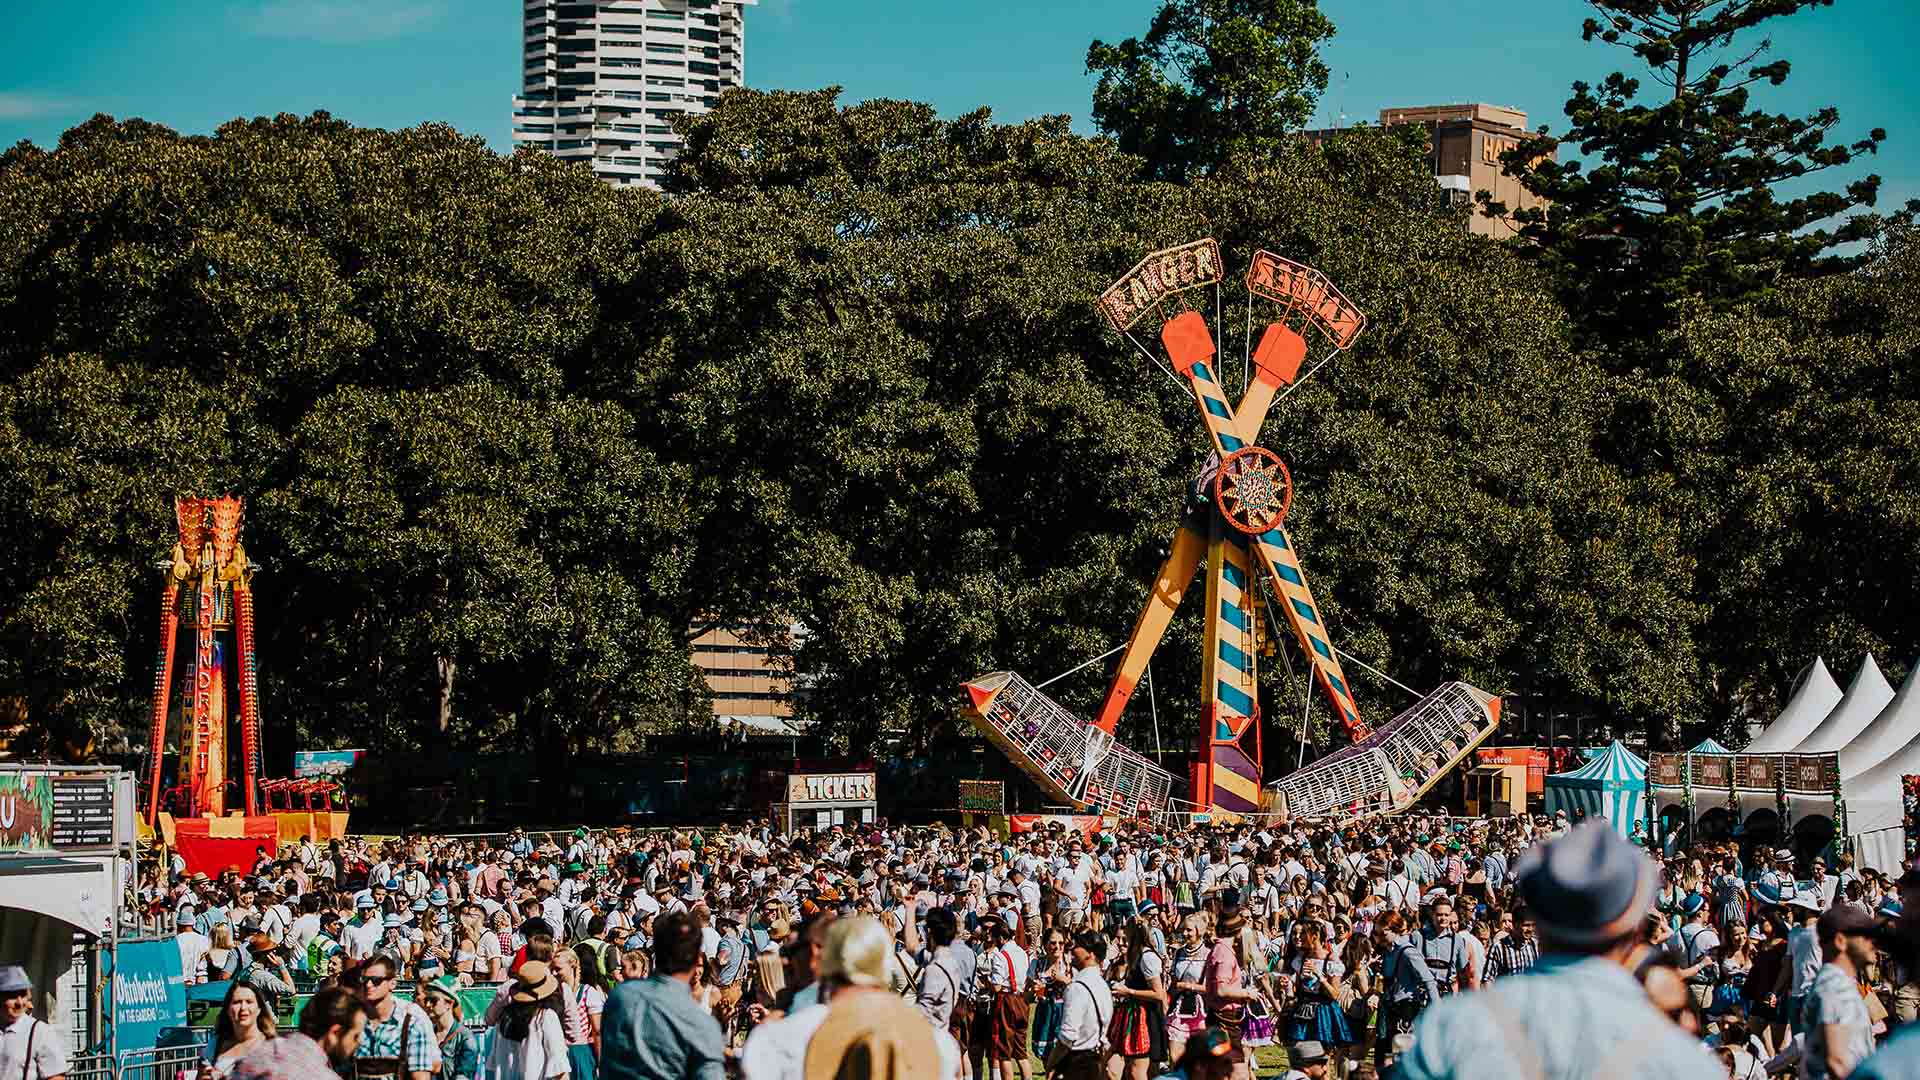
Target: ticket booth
[{"x": 823, "y": 800}]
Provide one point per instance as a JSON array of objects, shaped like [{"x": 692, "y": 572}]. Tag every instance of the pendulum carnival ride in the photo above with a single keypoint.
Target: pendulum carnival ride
[
  {"x": 1234, "y": 525},
  {"x": 209, "y": 588}
]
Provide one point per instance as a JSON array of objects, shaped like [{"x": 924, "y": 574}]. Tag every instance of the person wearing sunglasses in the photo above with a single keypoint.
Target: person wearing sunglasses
[{"x": 398, "y": 1041}]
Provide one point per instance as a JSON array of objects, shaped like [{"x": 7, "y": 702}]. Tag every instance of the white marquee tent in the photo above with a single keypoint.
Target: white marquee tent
[
  {"x": 1814, "y": 696},
  {"x": 1866, "y": 696},
  {"x": 1896, "y": 725},
  {"x": 1875, "y": 732}
]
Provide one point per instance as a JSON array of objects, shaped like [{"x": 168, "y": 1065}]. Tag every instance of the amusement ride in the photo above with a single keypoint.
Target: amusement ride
[
  {"x": 216, "y": 820},
  {"x": 1235, "y": 530}
]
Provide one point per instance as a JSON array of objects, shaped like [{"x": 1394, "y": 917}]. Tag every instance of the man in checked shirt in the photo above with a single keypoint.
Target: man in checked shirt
[{"x": 1518, "y": 952}]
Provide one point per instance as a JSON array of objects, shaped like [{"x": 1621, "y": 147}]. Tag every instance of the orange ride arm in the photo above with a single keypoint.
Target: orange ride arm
[{"x": 1175, "y": 574}]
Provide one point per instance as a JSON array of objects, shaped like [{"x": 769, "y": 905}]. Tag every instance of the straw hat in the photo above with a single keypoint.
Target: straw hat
[
  {"x": 534, "y": 983},
  {"x": 856, "y": 952}
]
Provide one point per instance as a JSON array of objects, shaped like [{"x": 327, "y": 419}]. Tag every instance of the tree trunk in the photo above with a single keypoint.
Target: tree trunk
[{"x": 446, "y": 667}]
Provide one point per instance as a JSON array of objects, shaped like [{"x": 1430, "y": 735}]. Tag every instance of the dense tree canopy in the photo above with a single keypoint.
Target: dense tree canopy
[
  {"x": 1211, "y": 80},
  {"x": 511, "y": 438}
]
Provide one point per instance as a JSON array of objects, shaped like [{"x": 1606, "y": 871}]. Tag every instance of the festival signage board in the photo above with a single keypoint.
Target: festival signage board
[
  {"x": 42, "y": 812},
  {"x": 149, "y": 990},
  {"x": 1157, "y": 277},
  {"x": 327, "y": 764},
  {"x": 830, "y": 788},
  {"x": 1797, "y": 774},
  {"x": 1710, "y": 770},
  {"x": 1534, "y": 758},
  {"x": 1667, "y": 770},
  {"x": 988, "y": 796}
]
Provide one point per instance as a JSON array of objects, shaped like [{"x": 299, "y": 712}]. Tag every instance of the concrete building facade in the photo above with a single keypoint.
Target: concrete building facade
[
  {"x": 752, "y": 684},
  {"x": 1464, "y": 144},
  {"x": 602, "y": 80}
]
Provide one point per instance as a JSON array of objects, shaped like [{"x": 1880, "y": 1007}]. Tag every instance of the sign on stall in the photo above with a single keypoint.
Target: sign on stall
[{"x": 830, "y": 788}]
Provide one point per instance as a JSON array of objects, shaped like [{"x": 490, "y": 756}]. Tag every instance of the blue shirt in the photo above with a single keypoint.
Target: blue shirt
[
  {"x": 1618, "y": 1033},
  {"x": 653, "y": 1030}
]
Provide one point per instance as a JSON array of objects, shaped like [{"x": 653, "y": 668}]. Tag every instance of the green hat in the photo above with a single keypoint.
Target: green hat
[
  {"x": 448, "y": 985},
  {"x": 1420, "y": 838},
  {"x": 581, "y": 831},
  {"x": 575, "y": 868}
]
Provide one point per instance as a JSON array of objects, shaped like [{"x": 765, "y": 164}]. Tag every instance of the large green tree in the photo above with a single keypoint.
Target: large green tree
[
  {"x": 1806, "y": 420},
  {"x": 393, "y": 344},
  {"x": 1211, "y": 79},
  {"x": 952, "y": 467},
  {"x": 1674, "y": 184}
]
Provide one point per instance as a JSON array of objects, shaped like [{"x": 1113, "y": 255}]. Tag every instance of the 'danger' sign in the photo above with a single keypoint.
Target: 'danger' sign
[{"x": 831, "y": 787}]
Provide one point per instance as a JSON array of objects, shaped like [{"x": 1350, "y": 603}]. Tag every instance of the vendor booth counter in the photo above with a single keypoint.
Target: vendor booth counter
[{"x": 822, "y": 800}]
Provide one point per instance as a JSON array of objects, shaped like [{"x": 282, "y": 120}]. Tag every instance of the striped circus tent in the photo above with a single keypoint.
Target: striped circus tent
[
  {"x": 1709, "y": 746},
  {"x": 1612, "y": 785}
]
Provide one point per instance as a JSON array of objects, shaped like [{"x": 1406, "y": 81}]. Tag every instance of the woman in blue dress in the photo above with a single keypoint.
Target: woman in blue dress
[
  {"x": 1312, "y": 975},
  {"x": 1047, "y": 980}
]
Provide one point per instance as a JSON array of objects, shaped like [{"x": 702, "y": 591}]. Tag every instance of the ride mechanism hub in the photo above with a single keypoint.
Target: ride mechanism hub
[{"x": 1253, "y": 489}]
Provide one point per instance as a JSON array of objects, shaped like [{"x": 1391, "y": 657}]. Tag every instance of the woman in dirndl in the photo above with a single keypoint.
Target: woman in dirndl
[
  {"x": 1313, "y": 973},
  {"x": 1138, "y": 1032},
  {"x": 1187, "y": 1015},
  {"x": 1047, "y": 982},
  {"x": 1258, "y": 968}
]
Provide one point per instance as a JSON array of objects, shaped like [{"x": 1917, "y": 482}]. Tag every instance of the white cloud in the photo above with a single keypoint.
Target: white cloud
[
  {"x": 22, "y": 105},
  {"x": 338, "y": 21}
]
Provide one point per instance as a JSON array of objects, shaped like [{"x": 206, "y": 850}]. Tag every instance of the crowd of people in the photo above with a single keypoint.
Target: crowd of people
[{"x": 1409, "y": 947}]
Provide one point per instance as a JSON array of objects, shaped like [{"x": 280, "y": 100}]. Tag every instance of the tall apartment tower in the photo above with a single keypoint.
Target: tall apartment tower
[{"x": 603, "y": 79}]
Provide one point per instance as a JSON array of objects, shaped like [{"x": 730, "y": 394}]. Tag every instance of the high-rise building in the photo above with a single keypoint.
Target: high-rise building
[
  {"x": 1464, "y": 144},
  {"x": 751, "y": 677},
  {"x": 603, "y": 79}
]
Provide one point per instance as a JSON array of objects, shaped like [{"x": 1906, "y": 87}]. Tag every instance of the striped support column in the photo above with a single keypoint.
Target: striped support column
[
  {"x": 1229, "y": 690},
  {"x": 1303, "y": 614},
  {"x": 162, "y": 690},
  {"x": 249, "y": 687}
]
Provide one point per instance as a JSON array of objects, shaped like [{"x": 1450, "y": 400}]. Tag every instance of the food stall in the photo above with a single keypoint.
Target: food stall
[{"x": 823, "y": 800}]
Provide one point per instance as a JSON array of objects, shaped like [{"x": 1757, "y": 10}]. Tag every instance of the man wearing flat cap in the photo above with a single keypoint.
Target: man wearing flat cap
[
  {"x": 1579, "y": 1012},
  {"x": 29, "y": 1049}
]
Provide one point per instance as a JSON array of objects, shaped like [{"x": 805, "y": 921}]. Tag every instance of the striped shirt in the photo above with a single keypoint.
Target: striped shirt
[{"x": 1511, "y": 959}]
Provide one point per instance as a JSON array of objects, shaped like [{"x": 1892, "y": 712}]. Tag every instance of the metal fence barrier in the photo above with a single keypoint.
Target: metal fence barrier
[
  {"x": 156, "y": 1063},
  {"x": 90, "y": 1067}
]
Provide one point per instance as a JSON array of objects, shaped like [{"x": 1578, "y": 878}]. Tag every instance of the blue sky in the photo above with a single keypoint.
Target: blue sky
[{"x": 392, "y": 63}]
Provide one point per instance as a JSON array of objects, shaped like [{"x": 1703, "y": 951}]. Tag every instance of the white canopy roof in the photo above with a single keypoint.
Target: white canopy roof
[
  {"x": 1892, "y": 728},
  {"x": 1866, "y": 696},
  {"x": 75, "y": 889},
  {"x": 1814, "y": 696}
]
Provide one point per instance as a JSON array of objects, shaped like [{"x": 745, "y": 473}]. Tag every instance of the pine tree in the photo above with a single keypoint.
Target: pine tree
[{"x": 1675, "y": 195}]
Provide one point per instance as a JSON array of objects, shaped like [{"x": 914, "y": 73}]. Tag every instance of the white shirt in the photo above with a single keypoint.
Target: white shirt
[
  {"x": 49, "y": 1049},
  {"x": 362, "y": 941},
  {"x": 1803, "y": 953},
  {"x": 998, "y": 975},
  {"x": 1086, "y": 1010},
  {"x": 778, "y": 1050},
  {"x": 193, "y": 949},
  {"x": 301, "y": 934},
  {"x": 541, "y": 1057}
]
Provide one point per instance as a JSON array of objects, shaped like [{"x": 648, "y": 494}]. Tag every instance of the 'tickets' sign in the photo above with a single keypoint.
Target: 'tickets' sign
[{"x": 831, "y": 788}]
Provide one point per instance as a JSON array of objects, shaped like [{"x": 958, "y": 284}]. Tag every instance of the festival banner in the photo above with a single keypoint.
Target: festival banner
[
  {"x": 149, "y": 991},
  {"x": 327, "y": 764}
]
